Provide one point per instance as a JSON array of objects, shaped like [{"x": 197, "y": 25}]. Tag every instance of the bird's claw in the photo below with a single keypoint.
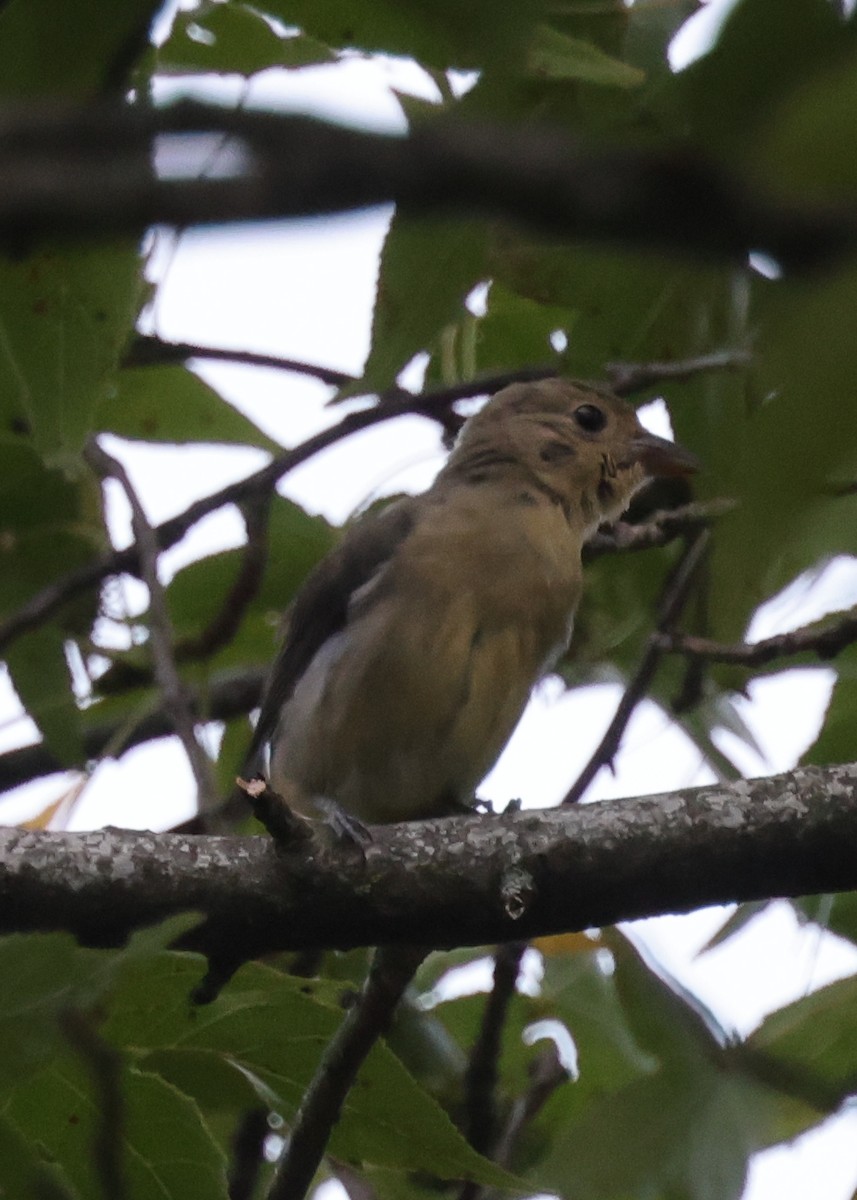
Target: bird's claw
[{"x": 343, "y": 825}]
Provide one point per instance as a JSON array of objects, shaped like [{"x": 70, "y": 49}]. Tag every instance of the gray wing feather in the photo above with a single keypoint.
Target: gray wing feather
[{"x": 320, "y": 609}]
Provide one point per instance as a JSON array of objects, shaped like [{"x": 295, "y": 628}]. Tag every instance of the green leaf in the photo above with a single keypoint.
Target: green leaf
[
  {"x": 233, "y": 39},
  {"x": 617, "y": 1151},
  {"x": 45, "y": 519},
  {"x": 217, "y": 1083},
  {"x": 516, "y": 330},
  {"x": 813, "y": 1040},
  {"x": 808, "y": 146},
  {"x": 24, "y": 1171},
  {"x": 275, "y": 1027},
  {"x": 579, "y": 991},
  {"x": 39, "y": 672},
  {"x": 686, "y": 1129},
  {"x": 554, "y": 55},
  {"x": 834, "y": 913},
  {"x": 728, "y": 91},
  {"x": 622, "y": 306},
  {"x": 172, "y": 404},
  {"x": 664, "y": 1017},
  {"x": 48, "y": 973},
  {"x": 233, "y": 748},
  {"x": 44, "y": 975},
  {"x": 168, "y": 1152},
  {"x": 296, "y": 540},
  {"x": 65, "y": 315},
  {"x": 51, "y": 48},
  {"x": 428, "y": 267},
  {"x": 785, "y": 468},
  {"x": 445, "y": 33},
  {"x": 651, "y": 27}
]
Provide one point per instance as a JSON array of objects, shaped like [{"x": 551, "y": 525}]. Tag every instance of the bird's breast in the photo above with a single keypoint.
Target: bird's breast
[{"x": 403, "y": 712}]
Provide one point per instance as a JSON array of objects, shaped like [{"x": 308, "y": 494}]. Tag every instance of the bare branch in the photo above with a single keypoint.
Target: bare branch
[
  {"x": 826, "y": 639},
  {"x": 146, "y": 351},
  {"x": 226, "y": 697},
  {"x": 248, "y": 1153},
  {"x": 628, "y": 378},
  {"x": 225, "y": 624},
  {"x": 660, "y": 529},
  {"x": 104, "y": 1065},
  {"x": 448, "y": 882},
  {"x": 89, "y": 171},
  {"x": 547, "y": 1073},
  {"x": 365, "y": 1022},
  {"x": 177, "y": 703},
  {"x": 480, "y": 1081},
  {"x": 397, "y": 403},
  {"x": 672, "y": 602}
]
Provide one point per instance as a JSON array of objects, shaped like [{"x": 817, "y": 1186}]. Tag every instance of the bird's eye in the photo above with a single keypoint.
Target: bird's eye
[{"x": 590, "y": 418}]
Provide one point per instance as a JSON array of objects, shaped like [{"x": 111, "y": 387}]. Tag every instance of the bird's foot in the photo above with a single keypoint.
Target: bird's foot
[{"x": 344, "y": 827}]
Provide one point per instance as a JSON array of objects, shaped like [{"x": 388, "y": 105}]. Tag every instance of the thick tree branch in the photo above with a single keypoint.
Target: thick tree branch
[
  {"x": 462, "y": 881},
  {"x": 89, "y": 171}
]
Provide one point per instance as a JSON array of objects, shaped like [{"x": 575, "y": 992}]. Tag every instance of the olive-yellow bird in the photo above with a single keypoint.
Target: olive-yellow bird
[{"x": 412, "y": 648}]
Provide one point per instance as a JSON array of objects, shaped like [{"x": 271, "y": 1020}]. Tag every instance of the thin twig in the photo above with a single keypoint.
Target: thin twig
[
  {"x": 672, "y": 602},
  {"x": 628, "y": 378},
  {"x": 395, "y": 403},
  {"x": 435, "y": 404},
  {"x": 546, "y": 1075},
  {"x": 230, "y": 696},
  {"x": 365, "y": 1022},
  {"x": 248, "y": 1153},
  {"x": 480, "y": 1081},
  {"x": 175, "y": 697},
  {"x": 149, "y": 351},
  {"x": 124, "y": 675},
  {"x": 225, "y": 624},
  {"x": 826, "y": 640},
  {"x": 659, "y": 529},
  {"x": 104, "y": 1065},
  {"x": 271, "y": 810},
  {"x": 624, "y": 378}
]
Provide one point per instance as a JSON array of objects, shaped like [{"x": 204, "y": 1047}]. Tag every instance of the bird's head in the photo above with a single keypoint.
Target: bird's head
[{"x": 579, "y": 442}]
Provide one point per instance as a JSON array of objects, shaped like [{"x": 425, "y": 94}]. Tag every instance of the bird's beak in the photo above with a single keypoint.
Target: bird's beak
[{"x": 658, "y": 456}]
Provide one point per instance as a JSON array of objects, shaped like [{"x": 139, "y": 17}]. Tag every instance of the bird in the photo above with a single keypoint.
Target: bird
[{"x": 411, "y": 650}]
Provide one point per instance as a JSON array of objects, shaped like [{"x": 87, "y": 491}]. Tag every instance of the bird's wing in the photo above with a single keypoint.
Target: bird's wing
[{"x": 320, "y": 609}]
